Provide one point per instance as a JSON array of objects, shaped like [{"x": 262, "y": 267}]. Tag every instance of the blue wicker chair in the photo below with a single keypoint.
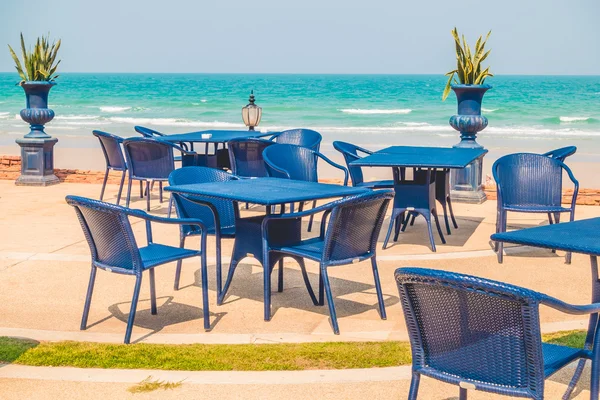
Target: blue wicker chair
[
  {"x": 351, "y": 153},
  {"x": 151, "y": 133},
  {"x": 218, "y": 215},
  {"x": 115, "y": 160},
  {"x": 290, "y": 161},
  {"x": 114, "y": 249},
  {"x": 530, "y": 183},
  {"x": 150, "y": 160},
  {"x": 246, "y": 157},
  {"x": 481, "y": 334},
  {"x": 349, "y": 237},
  {"x": 299, "y": 137}
]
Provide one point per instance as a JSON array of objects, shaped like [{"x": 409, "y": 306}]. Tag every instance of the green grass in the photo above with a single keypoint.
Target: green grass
[{"x": 215, "y": 357}]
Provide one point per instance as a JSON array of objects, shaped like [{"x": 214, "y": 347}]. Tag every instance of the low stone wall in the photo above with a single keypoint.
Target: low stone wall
[{"x": 10, "y": 168}]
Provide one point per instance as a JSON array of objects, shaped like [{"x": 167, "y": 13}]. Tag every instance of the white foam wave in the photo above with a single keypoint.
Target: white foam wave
[
  {"x": 114, "y": 108},
  {"x": 4, "y": 114},
  {"x": 375, "y": 111},
  {"x": 174, "y": 122},
  {"x": 77, "y": 117},
  {"x": 573, "y": 119},
  {"x": 489, "y": 110}
]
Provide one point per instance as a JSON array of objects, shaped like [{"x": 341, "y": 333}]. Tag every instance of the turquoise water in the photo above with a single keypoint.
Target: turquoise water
[{"x": 366, "y": 109}]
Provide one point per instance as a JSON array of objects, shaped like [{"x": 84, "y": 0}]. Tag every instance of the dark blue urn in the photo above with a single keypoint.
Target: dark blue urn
[
  {"x": 37, "y": 147},
  {"x": 469, "y": 120},
  {"x": 37, "y": 113}
]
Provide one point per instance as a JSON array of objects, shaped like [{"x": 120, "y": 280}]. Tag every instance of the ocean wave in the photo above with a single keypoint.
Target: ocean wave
[
  {"x": 174, "y": 122},
  {"x": 113, "y": 108},
  {"x": 77, "y": 117},
  {"x": 574, "y": 119},
  {"x": 489, "y": 110},
  {"x": 375, "y": 111},
  {"x": 4, "y": 114}
]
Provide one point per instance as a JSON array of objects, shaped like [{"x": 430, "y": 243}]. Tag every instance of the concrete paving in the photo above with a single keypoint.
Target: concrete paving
[{"x": 44, "y": 270}]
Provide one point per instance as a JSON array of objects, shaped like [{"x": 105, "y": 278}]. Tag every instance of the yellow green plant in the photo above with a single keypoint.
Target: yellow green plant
[
  {"x": 468, "y": 63},
  {"x": 38, "y": 64}
]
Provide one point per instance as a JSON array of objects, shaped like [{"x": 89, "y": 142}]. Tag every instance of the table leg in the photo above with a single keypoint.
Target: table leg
[{"x": 591, "y": 340}]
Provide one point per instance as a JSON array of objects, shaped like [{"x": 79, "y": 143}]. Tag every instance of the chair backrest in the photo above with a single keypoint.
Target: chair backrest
[
  {"x": 350, "y": 153},
  {"x": 463, "y": 328},
  {"x": 562, "y": 153},
  {"x": 300, "y": 137},
  {"x": 527, "y": 179},
  {"x": 354, "y": 226},
  {"x": 188, "y": 209},
  {"x": 289, "y": 161},
  {"x": 147, "y": 132},
  {"x": 149, "y": 158},
  {"x": 111, "y": 147},
  {"x": 246, "y": 157},
  {"x": 108, "y": 233}
]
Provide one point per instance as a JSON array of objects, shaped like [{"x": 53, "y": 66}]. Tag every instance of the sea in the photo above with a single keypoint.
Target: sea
[{"x": 525, "y": 113}]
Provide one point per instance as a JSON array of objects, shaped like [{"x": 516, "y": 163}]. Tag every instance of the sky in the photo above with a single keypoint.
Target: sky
[{"x": 544, "y": 37}]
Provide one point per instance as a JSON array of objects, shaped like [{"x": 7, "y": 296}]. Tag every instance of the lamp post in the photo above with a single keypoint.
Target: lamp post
[{"x": 251, "y": 113}]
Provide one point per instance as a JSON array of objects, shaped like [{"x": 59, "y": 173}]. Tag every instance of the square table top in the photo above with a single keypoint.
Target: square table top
[
  {"x": 423, "y": 157},
  {"x": 578, "y": 236},
  {"x": 218, "y": 136},
  {"x": 267, "y": 191}
]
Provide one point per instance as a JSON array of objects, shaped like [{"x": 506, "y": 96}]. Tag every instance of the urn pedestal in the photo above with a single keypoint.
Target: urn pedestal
[
  {"x": 37, "y": 147},
  {"x": 465, "y": 184}
]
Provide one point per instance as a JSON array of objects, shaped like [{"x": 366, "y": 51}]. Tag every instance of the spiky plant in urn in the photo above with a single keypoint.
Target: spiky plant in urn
[
  {"x": 37, "y": 70},
  {"x": 467, "y": 82}
]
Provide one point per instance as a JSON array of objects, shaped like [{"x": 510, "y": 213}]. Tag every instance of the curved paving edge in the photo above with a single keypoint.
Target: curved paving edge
[
  {"x": 241, "y": 338},
  {"x": 13, "y": 371}
]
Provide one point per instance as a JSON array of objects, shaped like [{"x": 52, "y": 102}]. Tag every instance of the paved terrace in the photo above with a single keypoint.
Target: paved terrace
[{"x": 44, "y": 270}]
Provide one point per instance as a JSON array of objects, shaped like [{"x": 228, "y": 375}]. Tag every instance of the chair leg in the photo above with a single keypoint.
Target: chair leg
[
  {"x": 267, "y": 285},
  {"x": 575, "y": 379},
  {"x": 88, "y": 299},
  {"x": 232, "y": 265},
  {"x": 382, "y": 313},
  {"x": 399, "y": 221},
  {"x": 389, "y": 232},
  {"x": 451, "y": 212},
  {"x": 160, "y": 191},
  {"x": 431, "y": 240},
  {"x": 310, "y": 220},
  {"x": 437, "y": 224},
  {"x": 332, "y": 314},
  {"x": 179, "y": 262},
  {"x": 414, "y": 386},
  {"x": 130, "y": 182},
  {"x": 501, "y": 228},
  {"x": 557, "y": 218},
  {"x": 104, "y": 185},
  {"x": 412, "y": 221},
  {"x": 148, "y": 189},
  {"x": 280, "y": 277},
  {"x": 550, "y": 221},
  {"x": 121, "y": 187},
  {"x": 134, "y": 301},
  {"x": 170, "y": 206},
  {"x": 141, "y": 189},
  {"x": 462, "y": 394},
  {"x": 153, "y": 310},
  {"x": 407, "y": 219},
  {"x": 311, "y": 293},
  {"x": 321, "y": 289},
  {"x": 445, "y": 208},
  {"x": 204, "y": 277}
]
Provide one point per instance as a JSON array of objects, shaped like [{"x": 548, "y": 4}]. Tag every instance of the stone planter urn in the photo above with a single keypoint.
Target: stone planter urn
[
  {"x": 466, "y": 183},
  {"x": 37, "y": 147}
]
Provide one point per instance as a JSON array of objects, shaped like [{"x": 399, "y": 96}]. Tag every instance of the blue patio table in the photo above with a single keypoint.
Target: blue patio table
[
  {"x": 268, "y": 192},
  {"x": 577, "y": 237},
  {"x": 220, "y": 158},
  {"x": 418, "y": 195}
]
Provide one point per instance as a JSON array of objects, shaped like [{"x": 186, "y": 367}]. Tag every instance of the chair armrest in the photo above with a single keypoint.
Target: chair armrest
[
  {"x": 575, "y": 183},
  {"x": 336, "y": 165},
  {"x": 570, "y": 308},
  {"x": 181, "y": 149},
  {"x": 173, "y": 221},
  {"x": 280, "y": 170},
  {"x": 325, "y": 207}
]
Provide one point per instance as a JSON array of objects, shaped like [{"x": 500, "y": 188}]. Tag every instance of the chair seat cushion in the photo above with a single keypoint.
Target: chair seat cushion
[
  {"x": 386, "y": 184},
  {"x": 310, "y": 248},
  {"x": 155, "y": 254},
  {"x": 535, "y": 208}
]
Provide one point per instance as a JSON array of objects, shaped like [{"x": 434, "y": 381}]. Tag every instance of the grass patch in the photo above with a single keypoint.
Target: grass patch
[
  {"x": 216, "y": 357},
  {"x": 150, "y": 385}
]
